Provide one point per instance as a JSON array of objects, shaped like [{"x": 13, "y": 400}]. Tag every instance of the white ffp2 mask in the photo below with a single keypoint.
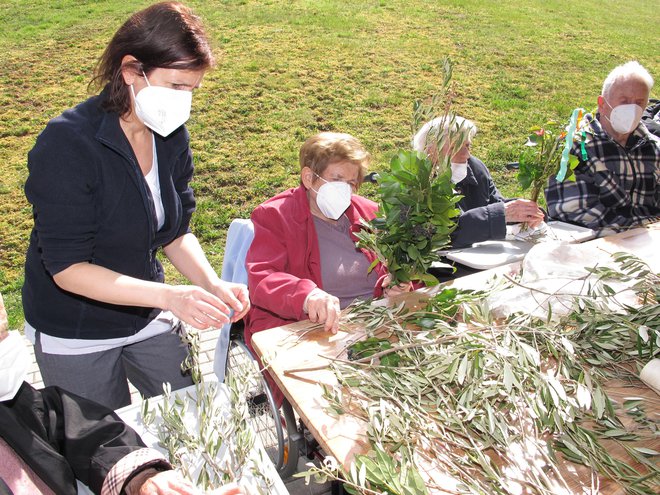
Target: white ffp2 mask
[
  {"x": 333, "y": 198},
  {"x": 625, "y": 118},
  {"x": 162, "y": 109}
]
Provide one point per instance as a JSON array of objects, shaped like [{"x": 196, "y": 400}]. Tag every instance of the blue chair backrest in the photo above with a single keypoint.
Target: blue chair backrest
[{"x": 239, "y": 238}]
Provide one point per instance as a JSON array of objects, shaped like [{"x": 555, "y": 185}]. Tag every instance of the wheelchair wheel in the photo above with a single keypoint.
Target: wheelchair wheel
[{"x": 276, "y": 429}]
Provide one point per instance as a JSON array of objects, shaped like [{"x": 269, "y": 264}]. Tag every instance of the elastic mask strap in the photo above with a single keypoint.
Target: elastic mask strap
[
  {"x": 321, "y": 179},
  {"x": 326, "y": 181},
  {"x": 145, "y": 78}
]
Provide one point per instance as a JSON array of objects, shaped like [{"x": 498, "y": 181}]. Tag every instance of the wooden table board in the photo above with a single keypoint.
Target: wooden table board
[{"x": 298, "y": 355}]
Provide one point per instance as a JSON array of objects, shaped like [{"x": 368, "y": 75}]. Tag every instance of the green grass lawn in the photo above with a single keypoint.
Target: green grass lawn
[{"x": 288, "y": 69}]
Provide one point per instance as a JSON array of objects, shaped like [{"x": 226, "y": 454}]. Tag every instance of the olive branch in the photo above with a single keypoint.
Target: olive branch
[
  {"x": 499, "y": 404},
  {"x": 208, "y": 442},
  {"x": 417, "y": 203}
]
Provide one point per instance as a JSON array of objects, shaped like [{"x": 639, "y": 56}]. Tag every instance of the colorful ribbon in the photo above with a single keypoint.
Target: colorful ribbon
[{"x": 563, "y": 164}]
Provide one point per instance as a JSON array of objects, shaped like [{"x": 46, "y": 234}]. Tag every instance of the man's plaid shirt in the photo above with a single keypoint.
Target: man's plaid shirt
[{"x": 615, "y": 187}]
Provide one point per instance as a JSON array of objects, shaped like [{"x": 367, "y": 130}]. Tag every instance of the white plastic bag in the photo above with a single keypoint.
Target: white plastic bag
[{"x": 553, "y": 275}]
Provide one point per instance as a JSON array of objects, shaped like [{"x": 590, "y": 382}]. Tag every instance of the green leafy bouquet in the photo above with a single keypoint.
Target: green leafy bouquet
[
  {"x": 417, "y": 203},
  {"x": 415, "y": 218}
]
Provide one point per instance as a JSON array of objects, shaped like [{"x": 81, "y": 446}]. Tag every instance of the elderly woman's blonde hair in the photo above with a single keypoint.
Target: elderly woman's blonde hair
[{"x": 325, "y": 148}]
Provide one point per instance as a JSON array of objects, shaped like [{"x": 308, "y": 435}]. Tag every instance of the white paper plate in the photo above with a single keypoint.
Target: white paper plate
[{"x": 489, "y": 254}]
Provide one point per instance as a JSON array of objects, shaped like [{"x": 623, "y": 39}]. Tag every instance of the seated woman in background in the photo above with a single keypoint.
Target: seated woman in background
[
  {"x": 303, "y": 262},
  {"x": 484, "y": 212}
]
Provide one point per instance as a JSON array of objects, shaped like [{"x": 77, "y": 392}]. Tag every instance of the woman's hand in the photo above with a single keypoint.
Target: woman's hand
[
  {"x": 196, "y": 306},
  {"x": 323, "y": 308},
  {"x": 203, "y": 309},
  {"x": 235, "y": 296},
  {"x": 187, "y": 256},
  {"x": 523, "y": 210}
]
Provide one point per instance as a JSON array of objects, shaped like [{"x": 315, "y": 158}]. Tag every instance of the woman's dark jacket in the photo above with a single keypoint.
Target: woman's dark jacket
[
  {"x": 482, "y": 207},
  {"x": 63, "y": 437},
  {"x": 92, "y": 204}
]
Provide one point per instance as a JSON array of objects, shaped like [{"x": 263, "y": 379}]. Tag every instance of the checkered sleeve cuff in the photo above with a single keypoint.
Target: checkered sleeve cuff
[{"x": 127, "y": 466}]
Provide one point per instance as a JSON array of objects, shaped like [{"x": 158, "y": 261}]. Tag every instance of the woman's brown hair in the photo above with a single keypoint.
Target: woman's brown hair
[{"x": 165, "y": 35}]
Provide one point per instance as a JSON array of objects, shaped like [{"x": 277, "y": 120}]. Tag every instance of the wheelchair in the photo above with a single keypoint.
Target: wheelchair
[
  {"x": 284, "y": 437},
  {"x": 278, "y": 429}
]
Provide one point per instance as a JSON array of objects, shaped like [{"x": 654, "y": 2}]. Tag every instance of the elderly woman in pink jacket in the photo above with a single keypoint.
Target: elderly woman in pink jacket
[{"x": 303, "y": 262}]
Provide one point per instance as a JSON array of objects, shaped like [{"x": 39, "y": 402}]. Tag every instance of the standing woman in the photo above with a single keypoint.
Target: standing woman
[{"x": 109, "y": 182}]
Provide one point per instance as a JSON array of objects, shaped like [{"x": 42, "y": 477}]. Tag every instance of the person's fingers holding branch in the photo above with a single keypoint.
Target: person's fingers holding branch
[
  {"x": 235, "y": 296},
  {"x": 196, "y": 306},
  {"x": 323, "y": 308},
  {"x": 523, "y": 210}
]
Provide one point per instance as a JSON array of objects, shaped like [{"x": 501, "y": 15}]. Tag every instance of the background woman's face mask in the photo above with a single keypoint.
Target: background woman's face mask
[
  {"x": 458, "y": 171},
  {"x": 333, "y": 198},
  {"x": 161, "y": 109}
]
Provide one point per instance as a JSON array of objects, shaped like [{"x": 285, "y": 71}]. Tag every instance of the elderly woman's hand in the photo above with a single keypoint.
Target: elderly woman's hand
[
  {"x": 397, "y": 289},
  {"x": 323, "y": 308}
]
